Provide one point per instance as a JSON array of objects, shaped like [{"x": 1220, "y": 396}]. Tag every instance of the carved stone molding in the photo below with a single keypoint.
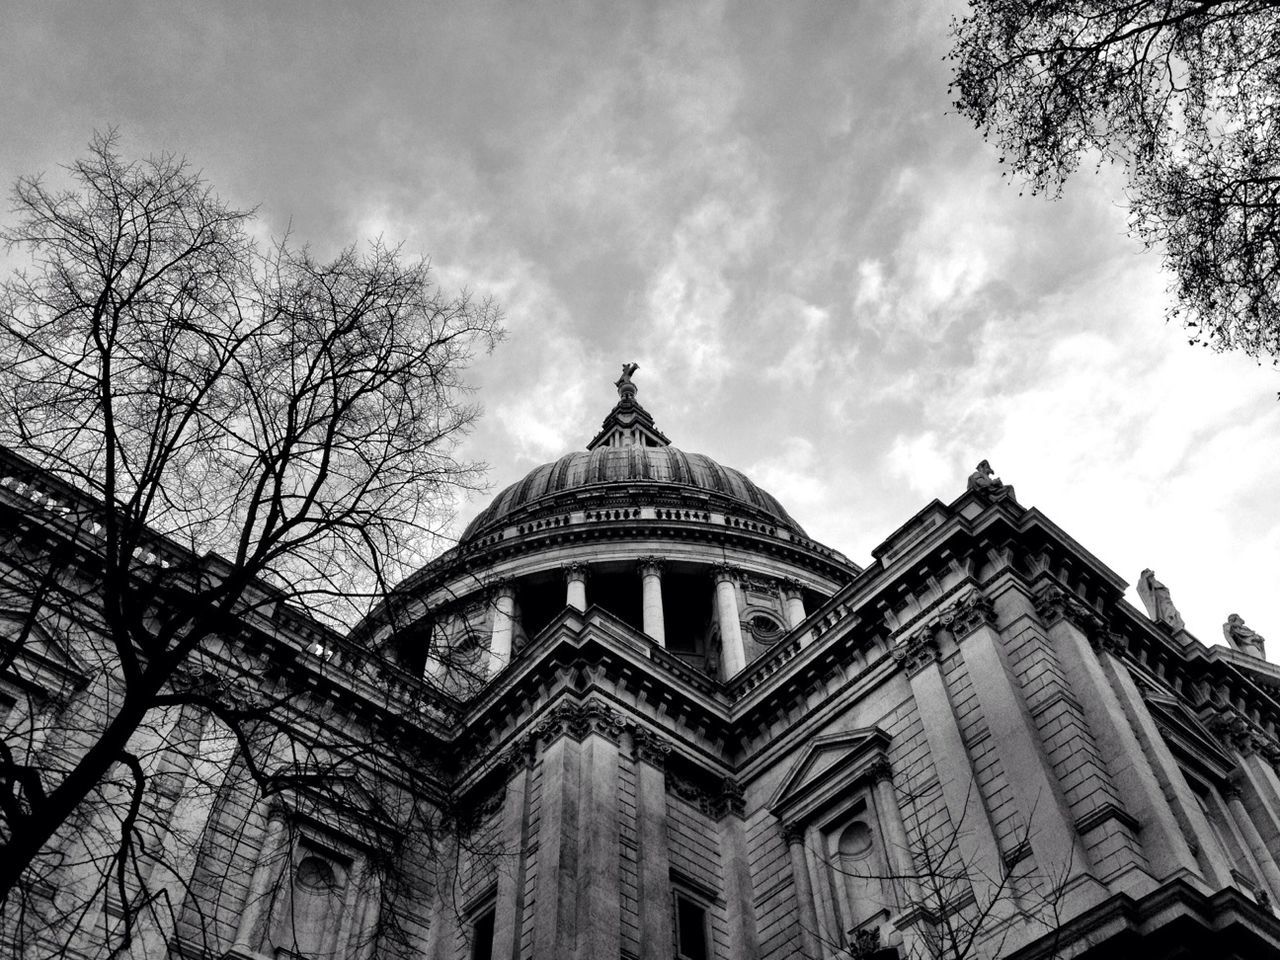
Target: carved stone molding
[
  {"x": 580, "y": 720},
  {"x": 917, "y": 651},
  {"x": 715, "y": 800},
  {"x": 1108, "y": 641},
  {"x": 648, "y": 747},
  {"x": 733, "y": 797},
  {"x": 1236, "y": 730},
  {"x": 520, "y": 757}
]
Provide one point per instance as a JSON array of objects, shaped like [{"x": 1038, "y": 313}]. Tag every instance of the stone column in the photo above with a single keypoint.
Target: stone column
[
  {"x": 899, "y": 852},
  {"x": 575, "y": 578},
  {"x": 651, "y": 598},
  {"x": 653, "y": 863},
  {"x": 806, "y": 913},
  {"x": 258, "y": 898},
  {"x": 504, "y": 608},
  {"x": 795, "y": 603},
  {"x": 733, "y": 655},
  {"x": 352, "y": 910},
  {"x": 1254, "y": 843}
]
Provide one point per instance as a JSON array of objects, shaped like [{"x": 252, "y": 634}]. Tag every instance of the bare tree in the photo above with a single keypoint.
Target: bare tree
[
  {"x": 951, "y": 901},
  {"x": 218, "y": 439},
  {"x": 1185, "y": 95}
]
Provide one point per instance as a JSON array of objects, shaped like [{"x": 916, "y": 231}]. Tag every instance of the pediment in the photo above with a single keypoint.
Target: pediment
[
  {"x": 826, "y": 769},
  {"x": 1186, "y": 733},
  {"x": 42, "y": 660}
]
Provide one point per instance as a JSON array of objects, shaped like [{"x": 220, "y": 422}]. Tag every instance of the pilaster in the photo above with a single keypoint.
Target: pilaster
[
  {"x": 1059, "y": 853},
  {"x": 1083, "y": 643},
  {"x": 653, "y": 853}
]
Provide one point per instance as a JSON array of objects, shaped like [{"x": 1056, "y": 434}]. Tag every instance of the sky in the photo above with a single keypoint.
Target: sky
[{"x": 770, "y": 207}]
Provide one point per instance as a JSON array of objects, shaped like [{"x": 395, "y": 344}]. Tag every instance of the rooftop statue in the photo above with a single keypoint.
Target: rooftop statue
[
  {"x": 984, "y": 481},
  {"x": 1155, "y": 597},
  {"x": 1244, "y": 638},
  {"x": 626, "y": 389}
]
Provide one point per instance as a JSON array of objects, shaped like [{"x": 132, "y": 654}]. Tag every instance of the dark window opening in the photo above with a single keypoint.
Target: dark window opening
[
  {"x": 619, "y": 593},
  {"x": 686, "y": 611},
  {"x": 691, "y": 929},
  {"x": 540, "y": 599},
  {"x": 482, "y": 935}
]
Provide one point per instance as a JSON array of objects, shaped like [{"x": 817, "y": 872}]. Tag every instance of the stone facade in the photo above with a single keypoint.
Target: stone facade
[{"x": 671, "y": 725}]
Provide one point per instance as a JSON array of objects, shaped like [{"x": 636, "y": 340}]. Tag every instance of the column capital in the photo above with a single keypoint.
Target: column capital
[
  {"x": 651, "y": 565},
  {"x": 649, "y": 747},
  {"x": 793, "y": 834},
  {"x": 576, "y": 570},
  {"x": 880, "y": 770},
  {"x": 725, "y": 573},
  {"x": 500, "y": 587},
  {"x": 1053, "y": 604},
  {"x": 917, "y": 651},
  {"x": 791, "y": 586},
  {"x": 968, "y": 613}
]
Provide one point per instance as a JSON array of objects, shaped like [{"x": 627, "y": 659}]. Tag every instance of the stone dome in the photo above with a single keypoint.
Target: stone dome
[{"x": 652, "y": 472}]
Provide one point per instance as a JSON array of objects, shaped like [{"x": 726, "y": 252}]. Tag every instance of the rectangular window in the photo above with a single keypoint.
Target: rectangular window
[
  {"x": 482, "y": 935},
  {"x": 691, "y": 929}
]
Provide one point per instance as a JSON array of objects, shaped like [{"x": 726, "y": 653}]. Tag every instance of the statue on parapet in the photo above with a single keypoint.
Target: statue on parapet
[
  {"x": 1244, "y": 638},
  {"x": 1155, "y": 597},
  {"x": 984, "y": 482},
  {"x": 627, "y": 389}
]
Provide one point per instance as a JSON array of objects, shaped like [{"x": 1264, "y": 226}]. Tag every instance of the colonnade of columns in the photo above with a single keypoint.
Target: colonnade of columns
[{"x": 727, "y": 608}]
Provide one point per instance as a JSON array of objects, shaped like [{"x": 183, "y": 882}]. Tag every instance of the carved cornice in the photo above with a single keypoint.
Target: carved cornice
[{"x": 917, "y": 651}]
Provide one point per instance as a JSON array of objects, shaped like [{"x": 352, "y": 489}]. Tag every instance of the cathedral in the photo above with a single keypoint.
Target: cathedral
[{"x": 668, "y": 725}]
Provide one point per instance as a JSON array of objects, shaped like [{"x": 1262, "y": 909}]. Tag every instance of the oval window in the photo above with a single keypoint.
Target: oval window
[
  {"x": 856, "y": 839},
  {"x": 765, "y": 629},
  {"x": 315, "y": 873}
]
